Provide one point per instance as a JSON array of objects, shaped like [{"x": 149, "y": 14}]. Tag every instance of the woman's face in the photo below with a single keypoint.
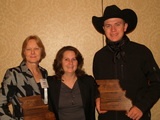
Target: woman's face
[
  {"x": 32, "y": 52},
  {"x": 69, "y": 62}
]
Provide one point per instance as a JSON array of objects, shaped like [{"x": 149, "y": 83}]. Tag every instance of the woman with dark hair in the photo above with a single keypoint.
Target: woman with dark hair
[
  {"x": 72, "y": 93},
  {"x": 24, "y": 80}
]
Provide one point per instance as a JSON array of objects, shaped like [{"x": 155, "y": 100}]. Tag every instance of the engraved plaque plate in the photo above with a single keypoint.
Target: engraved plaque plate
[{"x": 112, "y": 97}]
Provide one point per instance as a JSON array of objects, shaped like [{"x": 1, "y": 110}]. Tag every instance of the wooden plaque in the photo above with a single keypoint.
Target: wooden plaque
[
  {"x": 112, "y": 97},
  {"x": 35, "y": 109}
]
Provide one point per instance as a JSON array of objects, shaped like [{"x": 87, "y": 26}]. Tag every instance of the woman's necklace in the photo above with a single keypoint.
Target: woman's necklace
[{"x": 69, "y": 82}]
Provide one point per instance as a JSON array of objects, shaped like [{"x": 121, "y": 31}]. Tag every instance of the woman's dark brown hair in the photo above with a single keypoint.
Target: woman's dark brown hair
[{"x": 57, "y": 65}]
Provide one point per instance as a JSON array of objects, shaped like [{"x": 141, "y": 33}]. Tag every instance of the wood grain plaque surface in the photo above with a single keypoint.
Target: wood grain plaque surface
[
  {"x": 34, "y": 108},
  {"x": 112, "y": 97}
]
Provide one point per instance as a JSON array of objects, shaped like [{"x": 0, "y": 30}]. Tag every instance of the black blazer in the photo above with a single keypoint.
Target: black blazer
[{"x": 88, "y": 89}]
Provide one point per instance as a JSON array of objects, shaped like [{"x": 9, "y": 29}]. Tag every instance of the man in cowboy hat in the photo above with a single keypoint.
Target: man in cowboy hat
[{"x": 132, "y": 63}]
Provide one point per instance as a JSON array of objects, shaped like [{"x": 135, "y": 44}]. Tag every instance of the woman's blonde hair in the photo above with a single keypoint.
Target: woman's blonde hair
[{"x": 39, "y": 43}]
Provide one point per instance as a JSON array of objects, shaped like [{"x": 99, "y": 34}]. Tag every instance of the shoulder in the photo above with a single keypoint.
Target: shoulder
[
  {"x": 138, "y": 45},
  {"x": 53, "y": 83},
  {"x": 43, "y": 69},
  {"x": 13, "y": 69},
  {"x": 101, "y": 50},
  {"x": 52, "y": 79},
  {"x": 139, "y": 48},
  {"x": 87, "y": 78},
  {"x": 11, "y": 75},
  {"x": 87, "y": 82}
]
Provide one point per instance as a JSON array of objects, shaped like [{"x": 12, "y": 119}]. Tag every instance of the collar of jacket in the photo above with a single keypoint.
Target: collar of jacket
[{"x": 117, "y": 48}]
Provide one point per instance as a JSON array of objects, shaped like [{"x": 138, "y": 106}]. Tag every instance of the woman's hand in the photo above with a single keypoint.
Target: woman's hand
[{"x": 98, "y": 106}]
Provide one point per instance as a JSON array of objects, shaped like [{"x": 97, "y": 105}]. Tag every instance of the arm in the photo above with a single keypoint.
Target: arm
[
  {"x": 5, "y": 95},
  {"x": 4, "y": 110},
  {"x": 152, "y": 74},
  {"x": 150, "y": 93}
]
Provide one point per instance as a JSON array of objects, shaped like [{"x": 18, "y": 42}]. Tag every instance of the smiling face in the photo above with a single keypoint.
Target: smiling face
[
  {"x": 32, "y": 52},
  {"x": 69, "y": 62},
  {"x": 114, "y": 28}
]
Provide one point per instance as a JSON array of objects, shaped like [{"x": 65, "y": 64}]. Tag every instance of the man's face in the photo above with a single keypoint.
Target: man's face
[{"x": 114, "y": 28}]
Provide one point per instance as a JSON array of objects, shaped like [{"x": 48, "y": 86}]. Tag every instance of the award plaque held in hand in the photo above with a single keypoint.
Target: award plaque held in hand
[
  {"x": 35, "y": 109},
  {"x": 112, "y": 97}
]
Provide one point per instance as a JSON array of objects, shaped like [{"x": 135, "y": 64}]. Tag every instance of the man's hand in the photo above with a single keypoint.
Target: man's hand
[
  {"x": 135, "y": 113},
  {"x": 98, "y": 106}
]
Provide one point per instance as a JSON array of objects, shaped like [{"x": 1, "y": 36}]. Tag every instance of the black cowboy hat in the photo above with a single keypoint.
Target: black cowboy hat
[{"x": 128, "y": 15}]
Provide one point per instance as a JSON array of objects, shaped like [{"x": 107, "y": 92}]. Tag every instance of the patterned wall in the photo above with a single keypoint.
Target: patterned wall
[
  {"x": 57, "y": 22},
  {"x": 68, "y": 22}
]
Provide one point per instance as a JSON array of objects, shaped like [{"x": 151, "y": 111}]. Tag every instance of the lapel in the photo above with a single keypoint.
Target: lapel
[
  {"x": 56, "y": 92},
  {"x": 82, "y": 88},
  {"x": 29, "y": 77}
]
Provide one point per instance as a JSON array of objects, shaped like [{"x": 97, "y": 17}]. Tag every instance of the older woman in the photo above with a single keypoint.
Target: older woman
[
  {"x": 23, "y": 80},
  {"x": 72, "y": 93}
]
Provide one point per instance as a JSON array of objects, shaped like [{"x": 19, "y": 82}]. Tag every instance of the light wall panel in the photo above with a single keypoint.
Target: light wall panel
[{"x": 57, "y": 22}]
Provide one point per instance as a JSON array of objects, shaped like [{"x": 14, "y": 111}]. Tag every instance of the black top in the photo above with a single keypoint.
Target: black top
[
  {"x": 88, "y": 90},
  {"x": 70, "y": 103},
  {"x": 41, "y": 90}
]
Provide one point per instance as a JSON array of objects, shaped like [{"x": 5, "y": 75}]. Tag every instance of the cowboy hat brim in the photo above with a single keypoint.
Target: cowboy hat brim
[{"x": 129, "y": 16}]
